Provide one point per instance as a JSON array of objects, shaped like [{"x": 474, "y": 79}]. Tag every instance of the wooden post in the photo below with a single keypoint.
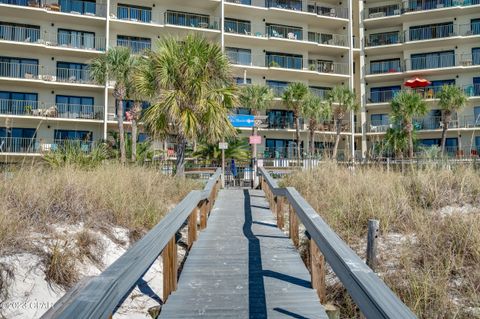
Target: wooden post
[
  {"x": 373, "y": 231},
  {"x": 293, "y": 228},
  {"x": 317, "y": 264},
  {"x": 203, "y": 215},
  {"x": 280, "y": 216},
  {"x": 169, "y": 256},
  {"x": 192, "y": 227}
]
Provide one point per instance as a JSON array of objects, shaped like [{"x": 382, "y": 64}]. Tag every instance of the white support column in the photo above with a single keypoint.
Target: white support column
[
  {"x": 107, "y": 45},
  {"x": 350, "y": 72},
  {"x": 363, "y": 97},
  {"x": 222, "y": 28}
]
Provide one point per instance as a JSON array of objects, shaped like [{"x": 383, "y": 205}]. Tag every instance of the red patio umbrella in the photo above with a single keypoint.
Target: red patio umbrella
[{"x": 417, "y": 83}]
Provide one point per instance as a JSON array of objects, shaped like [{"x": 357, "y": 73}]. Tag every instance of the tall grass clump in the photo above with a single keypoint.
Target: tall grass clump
[
  {"x": 33, "y": 199},
  {"x": 434, "y": 267}
]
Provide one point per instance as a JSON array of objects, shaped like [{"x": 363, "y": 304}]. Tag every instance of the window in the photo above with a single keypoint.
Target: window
[
  {"x": 281, "y": 119},
  {"x": 282, "y": 60},
  {"x": 76, "y": 6},
  {"x": 284, "y": 4},
  {"x": 72, "y": 72},
  {"x": 75, "y": 106},
  {"x": 417, "y": 5},
  {"x": 65, "y": 135},
  {"x": 436, "y": 86},
  {"x": 19, "y": 32},
  {"x": 76, "y": 39},
  {"x": 239, "y": 56},
  {"x": 431, "y": 31},
  {"x": 383, "y": 94},
  {"x": 385, "y": 66},
  {"x": 18, "y": 67},
  {"x": 379, "y": 119},
  {"x": 277, "y": 86},
  {"x": 17, "y": 140},
  {"x": 280, "y": 148},
  {"x": 475, "y": 26},
  {"x": 477, "y": 143},
  {"x": 128, "y": 105},
  {"x": 237, "y": 26},
  {"x": 16, "y": 2},
  {"x": 476, "y": 56},
  {"x": 18, "y": 103},
  {"x": 136, "y": 44},
  {"x": 476, "y": 86},
  {"x": 388, "y": 10},
  {"x": 476, "y": 115},
  {"x": 242, "y": 111},
  {"x": 451, "y": 144},
  {"x": 134, "y": 13},
  {"x": 433, "y": 60},
  {"x": 384, "y": 38},
  {"x": 320, "y": 91}
]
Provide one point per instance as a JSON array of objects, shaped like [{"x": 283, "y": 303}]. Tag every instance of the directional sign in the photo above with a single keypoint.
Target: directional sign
[
  {"x": 223, "y": 146},
  {"x": 256, "y": 139},
  {"x": 242, "y": 120}
]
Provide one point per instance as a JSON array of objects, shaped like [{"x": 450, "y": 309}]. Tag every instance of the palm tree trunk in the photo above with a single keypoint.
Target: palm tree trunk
[
  {"x": 312, "y": 142},
  {"x": 121, "y": 131},
  {"x": 134, "y": 139},
  {"x": 444, "y": 135},
  {"x": 410, "y": 143},
  {"x": 338, "y": 129},
  {"x": 297, "y": 134},
  {"x": 180, "y": 163}
]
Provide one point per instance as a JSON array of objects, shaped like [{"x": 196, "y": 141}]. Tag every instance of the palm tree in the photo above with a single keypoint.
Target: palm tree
[
  {"x": 294, "y": 97},
  {"x": 116, "y": 65},
  {"x": 237, "y": 149},
  {"x": 452, "y": 99},
  {"x": 405, "y": 106},
  {"x": 341, "y": 100},
  {"x": 315, "y": 109},
  {"x": 396, "y": 141},
  {"x": 136, "y": 111},
  {"x": 256, "y": 97},
  {"x": 190, "y": 88}
]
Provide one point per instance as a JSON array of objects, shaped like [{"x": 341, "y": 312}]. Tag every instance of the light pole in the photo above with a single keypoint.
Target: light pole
[{"x": 257, "y": 122}]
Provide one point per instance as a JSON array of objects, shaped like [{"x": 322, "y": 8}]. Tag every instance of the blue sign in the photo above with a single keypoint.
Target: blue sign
[{"x": 242, "y": 120}]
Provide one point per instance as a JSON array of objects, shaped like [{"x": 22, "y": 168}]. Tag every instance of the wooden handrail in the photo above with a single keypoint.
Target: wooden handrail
[
  {"x": 98, "y": 297},
  {"x": 369, "y": 292}
]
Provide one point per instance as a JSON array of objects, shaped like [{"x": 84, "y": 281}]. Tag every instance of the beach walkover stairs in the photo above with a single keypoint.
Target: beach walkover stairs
[{"x": 240, "y": 262}]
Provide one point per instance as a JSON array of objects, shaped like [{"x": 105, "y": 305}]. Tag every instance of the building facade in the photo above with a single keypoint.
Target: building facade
[{"x": 47, "y": 96}]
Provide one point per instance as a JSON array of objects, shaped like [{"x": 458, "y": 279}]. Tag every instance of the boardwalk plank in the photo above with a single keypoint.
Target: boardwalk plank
[{"x": 243, "y": 266}]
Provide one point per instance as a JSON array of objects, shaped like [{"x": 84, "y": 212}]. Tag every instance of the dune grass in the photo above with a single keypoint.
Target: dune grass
[
  {"x": 435, "y": 270},
  {"x": 34, "y": 199}
]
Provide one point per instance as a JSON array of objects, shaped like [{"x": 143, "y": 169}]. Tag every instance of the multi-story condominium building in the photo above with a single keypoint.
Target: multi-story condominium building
[{"x": 47, "y": 96}]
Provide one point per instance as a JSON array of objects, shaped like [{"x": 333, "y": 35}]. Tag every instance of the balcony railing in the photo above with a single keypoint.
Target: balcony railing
[
  {"x": 19, "y": 34},
  {"x": 19, "y": 70},
  {"x": 328, "y": 67},
  {"x": 278, "y": 90},
  {"x": 328, "y": 39},
  {"x": 190, "y": 20},
  {"x": 76, "y": 41},
  {"x": 245, "y": 2},
  {"x": 386, "y": 38},
  {"x": 285, "y": 4},
  {"x": 240, "y": 58},
  {"x": 382, "y": 11},
  {"x": 437, "y": 62},
  {"x": 134, "y": 45},
  {"x": 323, "y": 93},
  {"x": 283, "y": 61},
  {"x": 327, "y": 11},
  {"x": 18, "y": 145},
  {"x": 472, "y": 89},
  {"x": 238, "y": 27},
  {"x": 432, "y": 32},
  {"x": 381, "y": 67},
  {"x": 35, "y": 108},
  {"x": 133, "y": 14},
  {"x": 284, "y": 32},
  {"x": 73, "y": 76},
  {"x": 381, "y": 96}
]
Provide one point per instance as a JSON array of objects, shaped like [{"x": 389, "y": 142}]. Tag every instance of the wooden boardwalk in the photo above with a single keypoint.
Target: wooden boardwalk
[{"x": 243, "y": 266}]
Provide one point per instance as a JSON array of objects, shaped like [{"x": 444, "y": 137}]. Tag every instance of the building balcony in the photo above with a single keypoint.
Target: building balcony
[
  {"x": 135, "y": 46},
  {"x": 428, "y": 93},
  {"x": 35, "y": 72},
  {"x": 191, "y": 20},
  {"x": 440, "y": 62},
  {"x": 284, "y": 32},
  {"x": 55, "y": 111},
  {"x": 238, "y": 27},
  {"x": 414, "y": 6},
  {"x": 328, "y": 39},
  {"x": 78, "y": 7},
  {"x": 322, "y": 93},
  {"x": 70, "y": 40},
  {"x": 20, "y": 145}
]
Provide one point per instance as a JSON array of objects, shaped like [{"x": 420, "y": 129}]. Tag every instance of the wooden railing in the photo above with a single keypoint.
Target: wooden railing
[
  {"x": 369, "y": 292},
  {"x": 98, "y": 297}
]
